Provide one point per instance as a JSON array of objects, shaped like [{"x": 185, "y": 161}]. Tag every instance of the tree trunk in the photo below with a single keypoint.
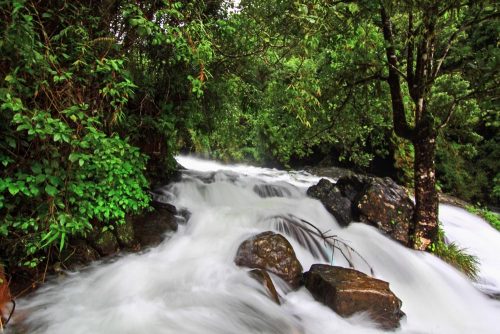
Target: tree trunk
[{"x": 426, "y": 196}]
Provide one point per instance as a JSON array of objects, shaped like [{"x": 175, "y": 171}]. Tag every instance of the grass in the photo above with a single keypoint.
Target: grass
[{"x": 458, "y": 257}]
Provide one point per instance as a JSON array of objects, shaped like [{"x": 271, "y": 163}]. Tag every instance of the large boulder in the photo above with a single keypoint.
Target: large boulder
[
  {"x": 106, "y": 243},
  {"x": 333, "y": 200},
  {"x": 125, "y": 235},
  {"x": 371, "y": 200},
  {"x": 103, "y": 241},
  {"x": 387, "y": 206},
  {"x": 352, "y": 185},
  {"x": 271, "y": 252},
  {"x": 77, "y": 254},
  {"x": 347, "y": 291},
  {"x": 151, "y": 227}
]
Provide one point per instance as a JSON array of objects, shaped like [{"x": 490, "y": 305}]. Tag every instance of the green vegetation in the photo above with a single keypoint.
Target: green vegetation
[
  {"x": 64, "y": 165},
  {"x": 491, "y": 217},
  {"x": 96, "y": 98},
  {"x": 454, "y": 255}
]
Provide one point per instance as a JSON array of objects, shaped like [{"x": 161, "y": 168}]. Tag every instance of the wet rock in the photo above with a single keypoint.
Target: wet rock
[
  {"x": 347, "y": 291},
  {"x": 352, "y": 185},
  {"x": 263, "y": 277},
  {"x": 183, "y": 215},
  {"x": 150, "y": 227},
  {"x": 371, "y": 200},
  {"x": 272, "y": 252},
  {"x": 452, "y": 200},
  {"x": 387, "y": 206},
  {"x": 77, "y": 254},
  {"x": 104, "y": 242},
  {"x": 333, "y": 200},
  {"x": 331, "y": 172},
  {"x": 125, "y": 234},
  {"x": 164, "y": 206}
]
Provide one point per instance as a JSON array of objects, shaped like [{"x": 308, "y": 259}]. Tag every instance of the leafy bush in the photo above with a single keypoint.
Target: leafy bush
[{"x": 64, "y": 168}]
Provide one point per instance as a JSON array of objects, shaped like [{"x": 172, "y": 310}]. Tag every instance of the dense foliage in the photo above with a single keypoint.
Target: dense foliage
[
  {"x": 83, "y": 93},
  {"x": 97, "y": 97},
  {"x": 64, "y": 166}
]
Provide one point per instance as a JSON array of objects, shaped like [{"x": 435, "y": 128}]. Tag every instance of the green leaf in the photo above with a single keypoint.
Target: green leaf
[
  {"x": 34, "y": 190},
  {"x": 11, "y": 142},
  {"x": 36, "y": 168},
  {"x": 63, "y": 239},
  {"x": 40, "y": 178},
  {"x": 50, "y": 190},
  {"x": 13, "y": 189},
  {"x": 73, "y": 157}
]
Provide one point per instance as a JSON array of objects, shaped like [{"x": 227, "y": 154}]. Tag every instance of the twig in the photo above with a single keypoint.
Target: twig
[{"x": 329, "y": 240}]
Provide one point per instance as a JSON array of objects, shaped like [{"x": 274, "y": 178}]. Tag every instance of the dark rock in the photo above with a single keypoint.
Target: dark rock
[
  {"x": 125, "y": 234},
  {"x": 263, "y": 277},
  {"x": 331, "y": 172},
  {"x": 272, "y": 252},
  {"x": 333, "y": 200},
  {"x": 77, "y": 254},
  {"x": 371, "y": 200},
  {"x": 351, "y": 185},
  {"x": 183, "y": 215},
  {"x": 387, "y": 206},
  {"x": 347, "y": 291},
  {"x": 449, "y": 199},
  {"x": 104, "y": 242},
  {"x": 164, "y": 206},
  {"x": 150, "y": 227}
]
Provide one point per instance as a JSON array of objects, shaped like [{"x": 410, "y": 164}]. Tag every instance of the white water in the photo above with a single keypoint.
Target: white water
[{"x": 189, "y": 284}]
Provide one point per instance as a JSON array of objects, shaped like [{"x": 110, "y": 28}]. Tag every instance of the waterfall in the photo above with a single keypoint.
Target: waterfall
[{"x": 190, "y": 284}]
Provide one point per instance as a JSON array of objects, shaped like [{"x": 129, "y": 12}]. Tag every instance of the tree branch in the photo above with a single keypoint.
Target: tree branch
[
  {"x": 448, "y": 117},
  {"x": 410, "y": 74},
  {"x": 401, "y": 126},
  {"x": 454, "y": 36}
]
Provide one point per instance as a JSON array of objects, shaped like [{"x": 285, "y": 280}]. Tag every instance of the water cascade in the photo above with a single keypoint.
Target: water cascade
[{"x": 190, "y": 284}]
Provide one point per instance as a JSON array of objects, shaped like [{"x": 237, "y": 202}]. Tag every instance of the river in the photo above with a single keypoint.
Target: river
[{"x": 190, "y": 284}]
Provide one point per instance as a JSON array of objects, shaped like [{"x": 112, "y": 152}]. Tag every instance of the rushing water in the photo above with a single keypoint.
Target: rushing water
[{"x": 189, "y": 284}]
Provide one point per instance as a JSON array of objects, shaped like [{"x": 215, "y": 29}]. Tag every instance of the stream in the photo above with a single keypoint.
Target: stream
[{"x": 190, "y": 284}]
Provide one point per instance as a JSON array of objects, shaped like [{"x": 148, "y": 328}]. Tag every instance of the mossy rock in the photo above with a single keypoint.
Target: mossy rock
[
  {"x": 125, "y": 234},
  {"x": 105, "y": 243}
]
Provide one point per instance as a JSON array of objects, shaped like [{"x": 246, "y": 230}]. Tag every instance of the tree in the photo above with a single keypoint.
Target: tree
[{"x": 432, "y": 30}]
